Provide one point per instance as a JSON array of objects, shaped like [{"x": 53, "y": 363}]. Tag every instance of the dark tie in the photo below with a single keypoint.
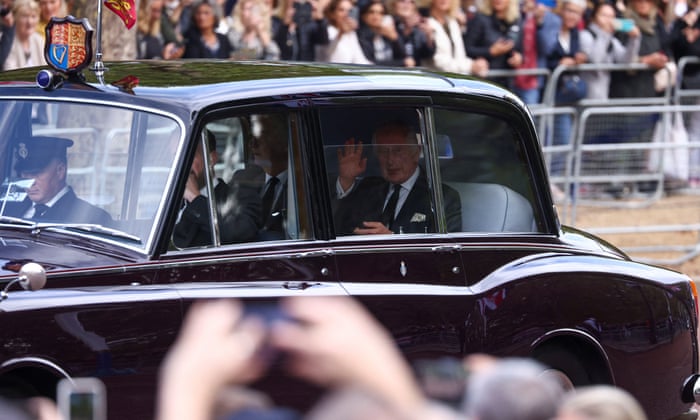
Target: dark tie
[
  {"x": 39, "y": 210},
  {"x": 269, "y": 196},
  {"x": 390, "y": 208}
]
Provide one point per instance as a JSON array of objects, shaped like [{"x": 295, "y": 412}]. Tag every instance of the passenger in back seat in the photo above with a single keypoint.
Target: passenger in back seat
[
  {"x": 238, "y": 205},
  {"x": 397, "y": 202}
]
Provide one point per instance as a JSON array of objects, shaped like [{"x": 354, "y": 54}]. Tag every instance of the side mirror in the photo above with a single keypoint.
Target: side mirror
[{"x": 32, "y": 276}]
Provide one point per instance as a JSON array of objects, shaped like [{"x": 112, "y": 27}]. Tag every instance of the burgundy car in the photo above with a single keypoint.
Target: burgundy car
[{"x": 500, "y": 276}]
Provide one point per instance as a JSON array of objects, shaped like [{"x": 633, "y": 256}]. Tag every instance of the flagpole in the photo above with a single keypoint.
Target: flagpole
[{"x": 99, "y": 68}]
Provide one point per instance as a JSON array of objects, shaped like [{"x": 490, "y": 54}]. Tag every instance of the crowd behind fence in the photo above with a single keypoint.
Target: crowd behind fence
[{"x": 624, "y": 154}]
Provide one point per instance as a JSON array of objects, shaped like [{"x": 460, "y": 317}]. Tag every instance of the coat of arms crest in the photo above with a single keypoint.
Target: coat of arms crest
[{"x": 68, "y": 44}]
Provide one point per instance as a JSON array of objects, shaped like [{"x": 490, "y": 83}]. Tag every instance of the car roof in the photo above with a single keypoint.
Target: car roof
[{"x": 193, "y": 84}]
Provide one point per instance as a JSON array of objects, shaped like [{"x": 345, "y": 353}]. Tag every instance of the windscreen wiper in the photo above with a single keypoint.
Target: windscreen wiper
[{"x": 98, "y": 229}]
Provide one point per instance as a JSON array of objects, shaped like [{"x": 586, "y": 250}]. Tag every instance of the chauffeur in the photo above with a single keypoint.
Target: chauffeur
[{"x": 50, "y": 198}]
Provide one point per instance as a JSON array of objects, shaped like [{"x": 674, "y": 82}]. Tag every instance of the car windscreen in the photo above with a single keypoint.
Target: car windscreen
[{"x": 92, "y": 169}]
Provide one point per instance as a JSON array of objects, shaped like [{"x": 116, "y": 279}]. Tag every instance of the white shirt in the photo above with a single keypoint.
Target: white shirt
[
  {"x": 282, "y": 177},
  {"x": 406, "y": 188},
  {"x": 30, "y": 213},
  {"x": 341, "y": 48}
]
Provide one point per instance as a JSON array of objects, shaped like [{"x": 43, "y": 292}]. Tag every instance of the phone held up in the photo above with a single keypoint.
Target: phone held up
[
  {"x": 623, "y": 25},
  {"x": 444, "y": 379},
  {"x": 82, "y": 399}
]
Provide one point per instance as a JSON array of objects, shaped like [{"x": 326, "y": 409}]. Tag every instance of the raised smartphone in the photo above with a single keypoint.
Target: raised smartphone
[
  {"x": 623, "y": 25},
  {"x": 82, "y": 399}
]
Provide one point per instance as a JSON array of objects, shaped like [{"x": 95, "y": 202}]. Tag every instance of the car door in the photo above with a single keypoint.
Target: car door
[
  {"x": 502, "y": 223},
  {"x": 411, "y": 278},
  {"x": 283, "y": 255}
]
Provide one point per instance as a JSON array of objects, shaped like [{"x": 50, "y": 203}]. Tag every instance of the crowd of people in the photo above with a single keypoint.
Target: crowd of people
[
  {"x": 222, "y": 348},
  {"x": 462, "y": 36}
]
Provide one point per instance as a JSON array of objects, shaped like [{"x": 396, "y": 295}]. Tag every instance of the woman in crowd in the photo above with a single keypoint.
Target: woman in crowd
[
  {"x": 203, "y": 40},
  {"x": 414, "y": 32},
  {"x": 601, "y": 46},
  {"x": 686, "y": 42},
  {"x": 7, "y": 31},
  {"x": 343, "y": 45},
  {"x": 49, "y": 9},
  {"x": 250, "y": 34},
  {"x": 28, "y": 46},
  {"x": 450, "y": 54},
  {"x": 567, "y": 52},
  {"x": 297, "y": 27},
  {"x": 177, "y": 17},
  {"x": 151, "y": 42},
  {"x": 495, "y": 34},
  {"x": 539, "y": 29},
  {"x": 378, "y": 37},
  {"x": 654, "y": 51}
]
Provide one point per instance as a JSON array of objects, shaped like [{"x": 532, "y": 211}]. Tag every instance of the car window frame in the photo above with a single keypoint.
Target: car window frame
[
  {"x": 149, "y": 246},
  {"x": 297, "y": 156}
]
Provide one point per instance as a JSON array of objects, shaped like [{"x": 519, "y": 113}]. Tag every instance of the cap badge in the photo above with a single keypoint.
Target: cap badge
[{"x": 22, "y": 151}]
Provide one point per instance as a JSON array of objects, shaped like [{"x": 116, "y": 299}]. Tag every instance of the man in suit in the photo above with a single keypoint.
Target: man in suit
[
  {"x": 397, "y": 202},
  {"x": 49, "y": 198},
  {"x": 269, "y": 149},
  {"x": 237, "y": 204}
]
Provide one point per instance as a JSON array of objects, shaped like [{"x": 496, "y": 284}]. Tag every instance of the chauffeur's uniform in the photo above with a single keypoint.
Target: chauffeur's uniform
[{"x": 33, "y": 155}]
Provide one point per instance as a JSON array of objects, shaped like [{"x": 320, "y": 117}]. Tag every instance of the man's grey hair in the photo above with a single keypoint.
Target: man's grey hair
[{"x": 513, "y": 389}]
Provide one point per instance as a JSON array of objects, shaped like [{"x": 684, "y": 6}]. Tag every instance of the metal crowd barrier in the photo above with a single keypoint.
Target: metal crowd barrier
[{"x": 614, "y": 162}]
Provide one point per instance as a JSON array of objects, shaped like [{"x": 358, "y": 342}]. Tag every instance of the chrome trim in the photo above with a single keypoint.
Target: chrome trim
[
  {"x": 432, "y": 162},
  {"x": 404, "y": 289},
  {"x": 245, "y": 290},
  {"x": 8, "y": 364},
  {"x": 316, "y": 253}
]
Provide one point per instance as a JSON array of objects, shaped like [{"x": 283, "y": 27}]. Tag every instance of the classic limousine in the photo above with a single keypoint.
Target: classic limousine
[{"x": 482, "y": 265}]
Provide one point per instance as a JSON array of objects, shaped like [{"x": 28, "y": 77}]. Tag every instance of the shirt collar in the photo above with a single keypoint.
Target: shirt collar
[{"x": 57, "y": 197}]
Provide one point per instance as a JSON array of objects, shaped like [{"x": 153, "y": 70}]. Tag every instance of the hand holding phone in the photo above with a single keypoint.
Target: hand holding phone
[
  {"x": 82, "y": 399},
  {"x": 623, "y": 25}
]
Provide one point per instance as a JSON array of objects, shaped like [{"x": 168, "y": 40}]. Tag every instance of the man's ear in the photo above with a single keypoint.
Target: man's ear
[{"x": 61, "y": 169}]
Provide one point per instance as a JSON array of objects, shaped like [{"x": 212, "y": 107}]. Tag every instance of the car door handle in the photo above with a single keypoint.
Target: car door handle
[
  {"x": 447, "y": 248},
  {"x": 317, "y": 253},
  {"x": 299, "y": 285}
]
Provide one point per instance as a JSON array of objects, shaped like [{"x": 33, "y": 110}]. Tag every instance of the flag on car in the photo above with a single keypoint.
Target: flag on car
[{"x": 125, "y": 9}]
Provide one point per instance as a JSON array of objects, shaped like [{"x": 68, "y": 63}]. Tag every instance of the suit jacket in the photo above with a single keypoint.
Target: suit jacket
[
  {"x": 68, "y": 209},
  {"x": 366, "y": 202},
  {"x": 237, "y": 210},
  {"x": 273, "y": 224}
]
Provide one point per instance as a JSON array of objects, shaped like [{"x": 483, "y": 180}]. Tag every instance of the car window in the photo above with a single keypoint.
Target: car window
[
  {"x": 254, "y": 173},
  {"x": 93, "y": 169},
  {"x": 480, "y": 159},
  {"x": 475, "y": 158},
  {"x": 376, "y": 168}
]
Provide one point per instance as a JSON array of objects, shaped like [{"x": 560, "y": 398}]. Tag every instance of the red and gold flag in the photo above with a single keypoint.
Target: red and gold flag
[{"x": 125, "y": 9}]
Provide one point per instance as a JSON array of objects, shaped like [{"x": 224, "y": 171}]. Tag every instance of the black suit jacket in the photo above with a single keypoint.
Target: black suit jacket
[
  {"x": 68, "y": 209},
  {"x": 366, "y": 202},
  {"x": 273, "y": 227},
  {"x": 238, "y": 214}
]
